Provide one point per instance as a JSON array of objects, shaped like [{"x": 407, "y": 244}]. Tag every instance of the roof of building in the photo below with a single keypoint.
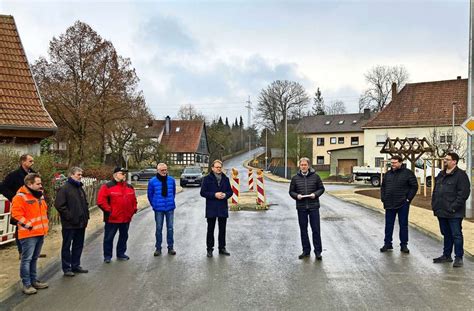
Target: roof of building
[
  {"x": 336, "y": 123},
  {"x": 425, "y": 104},
  {"x": 20, "y": 103},
  {"x": 184, "y": 135},
  {"x": 346, "y": 148}
]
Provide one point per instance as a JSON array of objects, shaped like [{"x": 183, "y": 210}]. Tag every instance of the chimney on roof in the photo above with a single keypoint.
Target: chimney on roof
[
  {"x": 458, "y": 77},
  {"x": 366, "y": 113},
  {"x": 167, "y": 125},
  {"x": 394, "y": 90}
]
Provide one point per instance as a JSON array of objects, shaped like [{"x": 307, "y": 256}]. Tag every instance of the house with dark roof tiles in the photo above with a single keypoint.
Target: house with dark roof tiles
[
  {"x": 416, "y": 111},
  {"x": 185, "y": 141},
  {"x": 24, "y": 121}
]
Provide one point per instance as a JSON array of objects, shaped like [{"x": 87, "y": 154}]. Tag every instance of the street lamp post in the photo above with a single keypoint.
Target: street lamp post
[
  {"x": 266, "y": 147},
  {"x": 452, "y": 129}
]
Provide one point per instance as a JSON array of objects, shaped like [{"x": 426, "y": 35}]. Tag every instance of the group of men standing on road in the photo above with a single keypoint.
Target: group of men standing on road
[
  {"x": 448, "y": 202},
  {"x": 118, "y": 201}
]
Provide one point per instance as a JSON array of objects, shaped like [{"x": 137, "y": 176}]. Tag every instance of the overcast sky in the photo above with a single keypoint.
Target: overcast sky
[{"x": 214, "y": 54}]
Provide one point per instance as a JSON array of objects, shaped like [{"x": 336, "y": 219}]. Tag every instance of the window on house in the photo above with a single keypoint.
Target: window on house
[
  {"x": 380, "y": 140},
  {"x": 179, "y": 157},
  {"x": 320, "y": 160},
  {"x": 442, "y": 139},
  {"x": 378, "y": 161},
  {"x": 333, "y": 140},
  {"x": 320, "y": 141},
  {"x": 354, "y": 140},
  {"x": 449, "y": 139},
  {"x": 340, "y": 140}
]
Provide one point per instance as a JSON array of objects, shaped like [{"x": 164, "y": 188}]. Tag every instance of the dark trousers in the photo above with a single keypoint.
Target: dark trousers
[
  {"x": 314, "y": 221},
  {"x": 17, "y": 241},
  {"x": 211, "y": 224},
  {"x": 71, "y": 250},
  {"x": 109, "y": 234},
  {"x": 390, "y": 215},
  {"x": 451, "y": 229}
]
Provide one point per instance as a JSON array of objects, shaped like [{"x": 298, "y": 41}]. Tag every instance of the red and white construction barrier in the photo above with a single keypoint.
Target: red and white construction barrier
[
  {"x": 260, "y": 189},
  {"x": 251, "y": 182},
  {"x": 235, "y": 185},
  {"x": 7, "y": 231}
]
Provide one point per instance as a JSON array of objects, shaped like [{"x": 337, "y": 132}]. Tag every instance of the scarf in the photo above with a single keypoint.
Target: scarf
[
  {"x": 219, "y": 178},
  {"x": 36, "y": 194},
  {"x": 74, "y": 182},
  {"x": 164, "y": 184}
]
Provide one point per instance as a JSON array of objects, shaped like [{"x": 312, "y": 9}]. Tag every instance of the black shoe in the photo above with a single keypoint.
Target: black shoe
[
  {"x": 442, "y": 259},
  {"x": 224, "y": 252},
  {"x": 80, "y": 270},
  {"x": 318, "y": 256},
  {"x": 458, "y": 263},
  {"x": 107, "y": 260},
  {"x": 171, "y": 251},
  {"x": 69, "y": 273},
  {"x": 123, "y": 258},
  {"x": 404, "y": 249},
  {"x": 386, "y": 248},
  {"x": 209, "y": 253},
  {"x": 303, "y": 255},
  {"x": 157, "y": 253}
]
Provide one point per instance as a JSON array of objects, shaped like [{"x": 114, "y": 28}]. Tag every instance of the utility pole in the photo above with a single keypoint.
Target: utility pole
[
  {"x": 266, "y": 147},
  {"x": 470, "y": 108},
  {"x": 249, "y": 120}
]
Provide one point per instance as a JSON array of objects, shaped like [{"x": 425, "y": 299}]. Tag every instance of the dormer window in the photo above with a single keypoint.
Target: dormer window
[
  {"x": 328, "y": 122},
  {"x": 177, "y": 129},
  {"x": 341, "y": 122},
  {"x": 354, "y": 122}
]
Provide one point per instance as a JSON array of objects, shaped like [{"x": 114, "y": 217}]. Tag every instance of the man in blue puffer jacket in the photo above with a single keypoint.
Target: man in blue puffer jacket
[{"x": 161, "y": 194}]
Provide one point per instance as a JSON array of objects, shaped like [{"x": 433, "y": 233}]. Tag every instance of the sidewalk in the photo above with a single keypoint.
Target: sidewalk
[
  {"x": 419, "y": 218},
  {"x": 9, "y": 275}
]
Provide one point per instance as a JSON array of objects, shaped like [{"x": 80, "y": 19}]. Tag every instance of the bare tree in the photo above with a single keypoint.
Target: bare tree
[
  {"x": 379, "y": 92},
  {"x": 445, "y": 142},
  {"x": 189, "y": 112},
  {"x": 335, "y": 107},
  {"x": 318, "y": 104},
  {"x": 280, "y": 99}
]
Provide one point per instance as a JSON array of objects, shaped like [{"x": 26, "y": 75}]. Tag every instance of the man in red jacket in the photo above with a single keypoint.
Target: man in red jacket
[{"x": 118, "y": 202}]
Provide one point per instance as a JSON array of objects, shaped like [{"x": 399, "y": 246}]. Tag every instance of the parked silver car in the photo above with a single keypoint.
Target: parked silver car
[{"x": 191, "y": 175}]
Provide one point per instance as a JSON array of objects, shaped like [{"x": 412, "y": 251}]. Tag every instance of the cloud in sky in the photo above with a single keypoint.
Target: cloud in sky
[{"x": 216, "y": 54}]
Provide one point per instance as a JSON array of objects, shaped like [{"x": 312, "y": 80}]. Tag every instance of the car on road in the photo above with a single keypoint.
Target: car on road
[
  {"x": 144, "y": 174},
  {"x": 191, "y": 175}
]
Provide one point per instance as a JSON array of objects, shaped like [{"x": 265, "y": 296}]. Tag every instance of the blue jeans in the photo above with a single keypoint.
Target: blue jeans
[
  {"x": 314, "y": 221},
  {"x": 451, "y": 229},
  {"x": 109, "y": 234},
  {"x": 71, "y": 250},
  {"x": 390, "y": 215},
  {"x": 31, "y": 249},
  {"x": 159, "y": 218}
]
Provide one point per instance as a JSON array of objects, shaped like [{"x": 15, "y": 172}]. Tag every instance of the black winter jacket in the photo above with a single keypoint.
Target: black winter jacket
[
  {"x": 398, "y": 187},
  {"x": 10, "y": 185},
  {"x": 71, "y": 203},
  {"x": 450, "y": 194},
  {"x": 311, "y": 183}
]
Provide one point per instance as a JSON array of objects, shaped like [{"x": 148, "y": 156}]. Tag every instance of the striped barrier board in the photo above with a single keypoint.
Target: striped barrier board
[
  {"x": 260, "y": 188},
  {"x": 251, "y": 183}
]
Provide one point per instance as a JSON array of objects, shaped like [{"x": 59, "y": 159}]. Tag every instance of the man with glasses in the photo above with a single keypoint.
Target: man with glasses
[
  {"x": 451, "y": 190},
  {"x": 118, "y": 202},
  {"x": 161, "y": 195},
  {"x": 71, "y": 203},
  {"x": 216, "y": 189},
  {"x": 31, "y": 212},
  {"x": 399, "y": 187}
]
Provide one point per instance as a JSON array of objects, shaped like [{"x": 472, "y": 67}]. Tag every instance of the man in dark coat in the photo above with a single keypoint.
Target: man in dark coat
[
  {"x": 71, "y": 203},
  {"x": 216, "y": 189},
  {"x": 399, "y": 187},
  {"x": 306, "y": 187},
  {"x": 14, "y": 181},
  {"x": 448, "y": 202}
]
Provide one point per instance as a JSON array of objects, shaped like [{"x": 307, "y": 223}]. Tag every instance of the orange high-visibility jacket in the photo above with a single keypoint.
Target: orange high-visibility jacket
[{"x": 30, "y": 212}]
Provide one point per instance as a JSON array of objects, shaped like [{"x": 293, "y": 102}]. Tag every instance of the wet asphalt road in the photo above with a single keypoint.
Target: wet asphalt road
[{"x": 263, "y": 271}]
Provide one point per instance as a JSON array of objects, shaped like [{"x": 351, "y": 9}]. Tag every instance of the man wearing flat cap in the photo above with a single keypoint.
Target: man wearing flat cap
[{"x": 118, "y": 202}]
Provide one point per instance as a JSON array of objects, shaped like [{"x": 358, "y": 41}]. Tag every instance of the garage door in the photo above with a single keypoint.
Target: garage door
[{"x": 345, "y": 166}]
